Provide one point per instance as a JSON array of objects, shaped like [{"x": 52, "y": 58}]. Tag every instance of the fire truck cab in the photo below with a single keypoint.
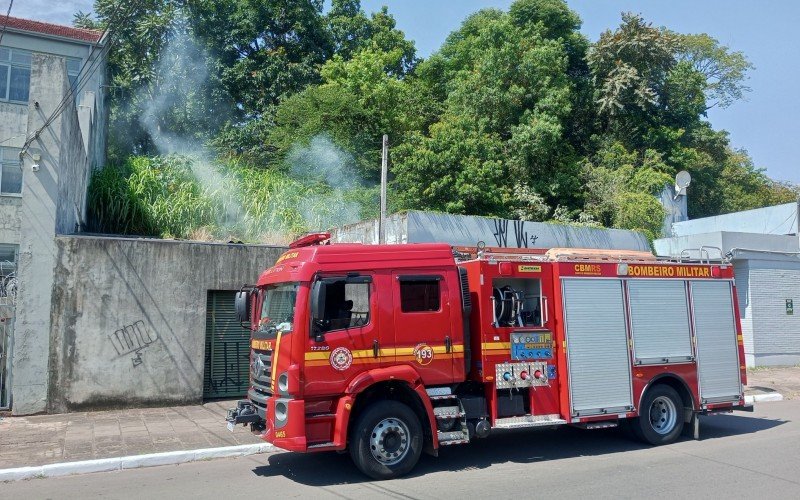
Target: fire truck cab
[{"x": 391, "y": 350}]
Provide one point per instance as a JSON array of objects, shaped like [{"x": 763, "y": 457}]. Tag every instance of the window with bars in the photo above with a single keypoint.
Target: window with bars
[
  {"x": 8, "y": 259},
  {"x": 10, "y": 171},
  {"x": 15, "y": 74}
]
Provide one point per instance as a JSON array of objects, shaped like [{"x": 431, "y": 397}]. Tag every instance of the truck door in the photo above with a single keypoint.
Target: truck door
[
  {"x": 345, "y": 335},
  {"x": 422, "y": 324}
]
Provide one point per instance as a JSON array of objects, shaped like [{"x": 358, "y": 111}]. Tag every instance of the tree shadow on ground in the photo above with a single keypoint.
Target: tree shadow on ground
[{"x": 520, "y": 446}]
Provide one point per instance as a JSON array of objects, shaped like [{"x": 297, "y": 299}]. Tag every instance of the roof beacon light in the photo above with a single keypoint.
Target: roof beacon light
[{"x": 311, "y": 239}]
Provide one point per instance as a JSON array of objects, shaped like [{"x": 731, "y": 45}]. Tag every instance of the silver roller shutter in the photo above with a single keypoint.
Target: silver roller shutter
[
  {"x": 597, "y": 346},
  {"x": 660, "y": 321},
  {"x": 717, "y": 350}
]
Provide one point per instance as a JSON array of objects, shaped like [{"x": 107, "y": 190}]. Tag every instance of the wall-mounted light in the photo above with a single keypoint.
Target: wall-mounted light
[{"x": 36, "y": 159}]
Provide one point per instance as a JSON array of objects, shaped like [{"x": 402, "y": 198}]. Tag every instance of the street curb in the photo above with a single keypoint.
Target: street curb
[
  {"x": 760, "y": 398},
  {"x": 132, "y": 462}
]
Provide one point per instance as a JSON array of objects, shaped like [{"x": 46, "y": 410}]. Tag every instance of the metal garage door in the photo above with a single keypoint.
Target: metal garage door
[
  {"x": 597, "y": 346},
  {"x": 227, "y": 359},
  {"x": 660, "y": 321},
  {"x": 717, "y": 349}
]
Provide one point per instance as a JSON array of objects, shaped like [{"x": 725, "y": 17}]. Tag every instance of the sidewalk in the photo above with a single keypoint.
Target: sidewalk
[
  {"x": 70, "y": 437},
  {"x": 782, "y": 379}
]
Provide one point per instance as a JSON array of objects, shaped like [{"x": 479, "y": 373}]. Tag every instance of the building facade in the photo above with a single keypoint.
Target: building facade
[
  {"x": 764, "y": 248},
  {"x": 52, "y": 135}
]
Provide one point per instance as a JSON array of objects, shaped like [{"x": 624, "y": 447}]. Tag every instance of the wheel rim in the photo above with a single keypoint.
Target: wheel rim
[
  {"x": 389, "y": 441},
  {"x": 663, "y": 415}
]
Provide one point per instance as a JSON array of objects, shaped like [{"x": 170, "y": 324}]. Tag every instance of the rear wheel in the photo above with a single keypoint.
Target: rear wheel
[
  {"x": 660, "y": 418},
  {"x": 386, "y": 440}
]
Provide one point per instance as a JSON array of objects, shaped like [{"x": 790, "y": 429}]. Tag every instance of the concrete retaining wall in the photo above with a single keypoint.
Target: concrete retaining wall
[
  {"x": 466, "y": 230},
  {"x": 156, "y": 288}
]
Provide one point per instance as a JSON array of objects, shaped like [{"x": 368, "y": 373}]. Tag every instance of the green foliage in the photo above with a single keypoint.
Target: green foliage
[
  {"x": 517, "y": 115},
  {"x": 266, "y": 50},
  {"x": 505, "y": 114},
  {"x": 640, "y": 212},
  {"x": 723, "y": 71},
  {"x": 164, "y": 196}
]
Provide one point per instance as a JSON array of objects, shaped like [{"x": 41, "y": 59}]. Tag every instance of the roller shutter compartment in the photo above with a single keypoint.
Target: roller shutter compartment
[
  {"x": 597, "y": 346},
  {"x": 717, "y": 349},
  {"x": 660, "y": 321}
]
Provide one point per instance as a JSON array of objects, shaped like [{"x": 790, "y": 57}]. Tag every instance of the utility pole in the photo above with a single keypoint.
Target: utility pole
[{"x": 384, "y": 175}]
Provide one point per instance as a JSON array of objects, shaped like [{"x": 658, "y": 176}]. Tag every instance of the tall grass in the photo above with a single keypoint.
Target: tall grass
[{"x": 163, "y": 197}]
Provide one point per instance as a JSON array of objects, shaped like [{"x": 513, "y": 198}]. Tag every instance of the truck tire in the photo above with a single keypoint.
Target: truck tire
[
  {"x": 386, "y": 441},
  {"x": 660, "y": 419}
]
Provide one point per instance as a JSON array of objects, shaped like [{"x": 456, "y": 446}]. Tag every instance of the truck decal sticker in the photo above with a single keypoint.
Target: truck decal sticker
[
  {"x": 261, "y": 345},
  {"x": 669, "y": 271},
  {"x": 341, "y": 359},
  {"x": 275, "y": 358},
  {"x": 287, "y": 256},
  {"x": 423, "y": 354},
  {"x": 322, "y": 358}
]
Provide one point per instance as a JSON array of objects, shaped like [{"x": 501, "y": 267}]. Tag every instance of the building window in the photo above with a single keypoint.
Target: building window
[
  {"x": 10, "y": 171},
  {"x": 8, "y": 259},
  {"x": 15, "y": 74},
  {"x": 73, "y": 68}
]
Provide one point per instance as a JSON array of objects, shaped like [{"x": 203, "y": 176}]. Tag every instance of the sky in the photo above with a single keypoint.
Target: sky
[{"x": 766, "y": 124}]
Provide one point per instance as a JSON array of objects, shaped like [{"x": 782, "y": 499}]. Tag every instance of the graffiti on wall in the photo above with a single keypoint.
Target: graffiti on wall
[
  {"x": 132, "y": 340},
  {"x": 522, "y": 238}
]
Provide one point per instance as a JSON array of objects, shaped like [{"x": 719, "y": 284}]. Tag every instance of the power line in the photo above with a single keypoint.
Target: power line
[{"x": 5, "y": 23}]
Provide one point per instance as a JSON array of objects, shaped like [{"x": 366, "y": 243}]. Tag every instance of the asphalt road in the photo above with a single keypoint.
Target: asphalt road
[{"x": 743, "y": 454}]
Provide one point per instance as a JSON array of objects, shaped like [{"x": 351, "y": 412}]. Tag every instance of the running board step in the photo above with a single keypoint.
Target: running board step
[
  {"x": 447, "y": 412},
  {"x": 528, "y": 421},
  {"x": 452, "y": 437},
  {"x": 320, "y": 445}
]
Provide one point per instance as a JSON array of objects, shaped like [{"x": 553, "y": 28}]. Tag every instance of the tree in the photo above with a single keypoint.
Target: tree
[
  {"x": 267, "y": 50},
  {"x": 630, "y": 67},
  {"x": 507, "y": 86},
  {"x": 723, "y": 70},
  {"x": 362, "y": 94}
]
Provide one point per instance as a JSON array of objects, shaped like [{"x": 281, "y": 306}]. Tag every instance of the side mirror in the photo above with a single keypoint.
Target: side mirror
[
  {"x": 242, "y": 306},
  {"x": 317, "y": 309}
]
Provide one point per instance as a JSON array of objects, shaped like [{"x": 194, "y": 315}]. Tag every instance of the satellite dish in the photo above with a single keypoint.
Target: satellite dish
[{"x": 682, "y": 181}]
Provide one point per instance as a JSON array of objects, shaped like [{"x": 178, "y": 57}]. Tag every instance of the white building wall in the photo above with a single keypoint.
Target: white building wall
[{"x": 776, "y": 333}]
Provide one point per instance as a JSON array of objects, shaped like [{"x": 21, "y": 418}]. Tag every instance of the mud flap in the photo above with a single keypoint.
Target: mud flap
[{"x": 691, "y": 427}]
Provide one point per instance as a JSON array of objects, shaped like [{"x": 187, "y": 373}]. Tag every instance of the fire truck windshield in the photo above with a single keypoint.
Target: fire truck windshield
[{"x": 277, "y": 308}]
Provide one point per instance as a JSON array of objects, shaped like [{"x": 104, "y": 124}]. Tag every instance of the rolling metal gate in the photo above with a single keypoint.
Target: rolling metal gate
[
  {"x": 227, "y": 359},
  {"x": 597, "y": 346},
  {"x": 717, "y": 348}
]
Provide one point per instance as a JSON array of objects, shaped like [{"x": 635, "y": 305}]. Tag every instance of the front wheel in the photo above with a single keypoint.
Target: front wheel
[
  {"x": 660, "y": 418},
  {"x": 386, "y": 440}
]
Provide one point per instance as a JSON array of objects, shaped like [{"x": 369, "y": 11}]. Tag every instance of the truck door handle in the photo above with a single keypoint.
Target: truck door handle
[
  {"x": 448, "y": 344},
  {"x": 375, "y": 348}
]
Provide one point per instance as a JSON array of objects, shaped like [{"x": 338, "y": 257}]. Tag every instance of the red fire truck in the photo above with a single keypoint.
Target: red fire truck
[{"x": 391, "y": 350}]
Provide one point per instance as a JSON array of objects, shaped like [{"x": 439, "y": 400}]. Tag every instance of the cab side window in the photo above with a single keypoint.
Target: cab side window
[
  {"x": 346, "y": 305},
  {"x": 419, "y": 294}
]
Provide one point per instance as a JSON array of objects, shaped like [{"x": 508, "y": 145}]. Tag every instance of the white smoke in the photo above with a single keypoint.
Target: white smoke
[
  {"x": 322, "y": 161},
  {"x": 180, "y": 78}
]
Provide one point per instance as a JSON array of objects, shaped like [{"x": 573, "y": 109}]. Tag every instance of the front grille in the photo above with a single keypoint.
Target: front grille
[{"x": 260, "y": 376}]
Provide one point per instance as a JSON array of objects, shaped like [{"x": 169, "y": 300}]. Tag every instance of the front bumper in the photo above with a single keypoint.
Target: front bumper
[
  {"x": 288, "y": 434},
  {"x": 245, "y": 413}
]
